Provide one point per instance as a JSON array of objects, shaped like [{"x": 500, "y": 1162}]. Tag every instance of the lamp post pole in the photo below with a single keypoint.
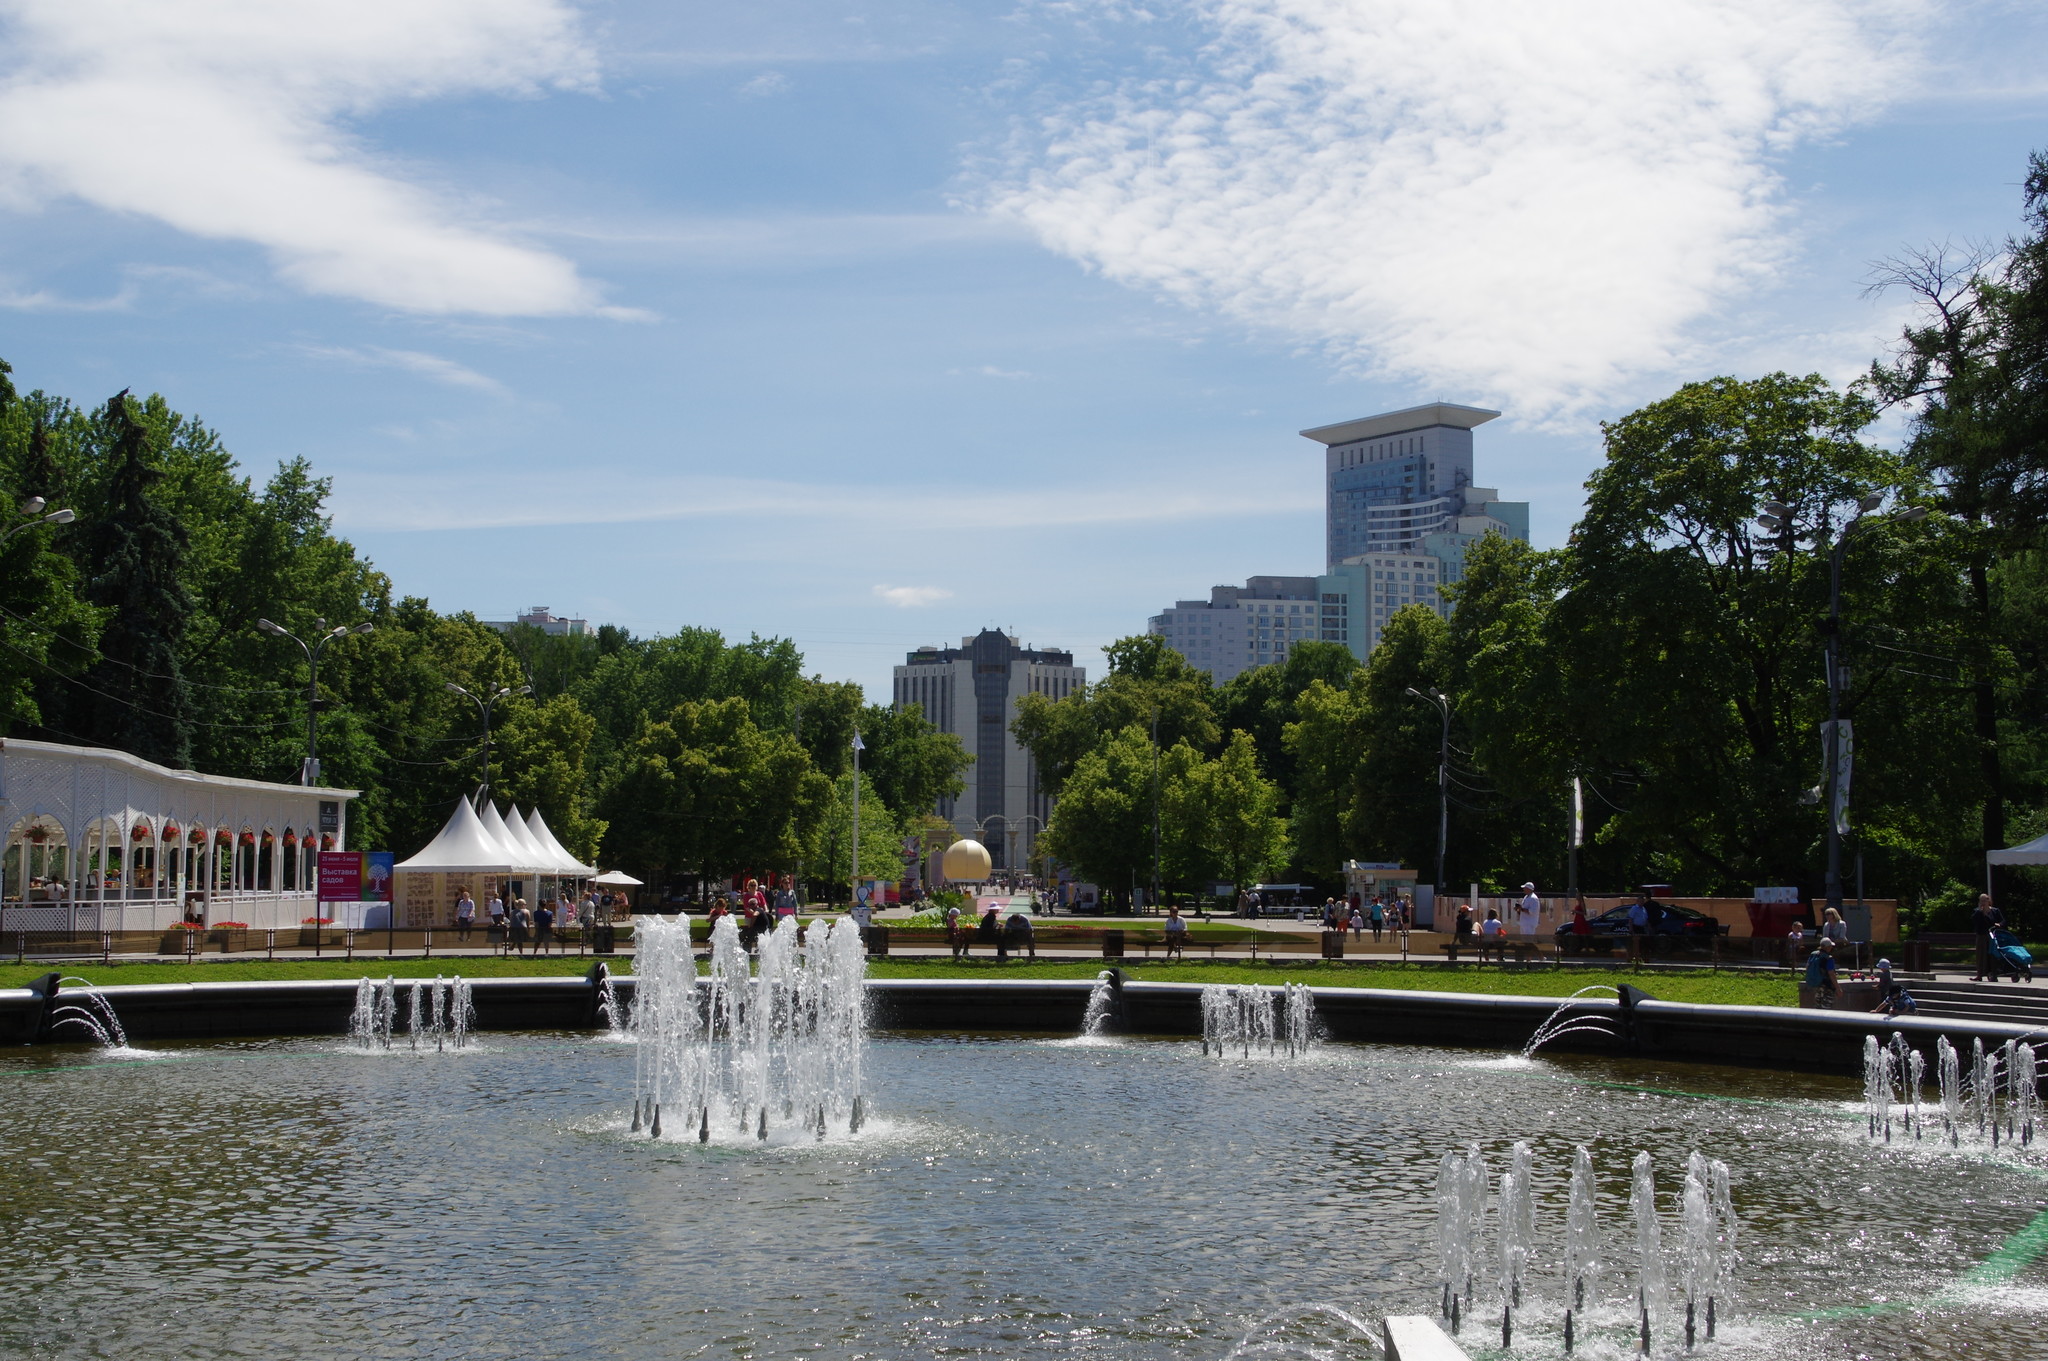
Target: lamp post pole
[
  {"x": 1777, "y": 519},
  {"x": 854, "y": 877},
  {"x": 1443, "y": 776},
  {"x": 1155, "y": 810},
  {"x": 309, "y": 773},
  {"x": 484, "y": 704},
  {"x": 33, "y": 508}
]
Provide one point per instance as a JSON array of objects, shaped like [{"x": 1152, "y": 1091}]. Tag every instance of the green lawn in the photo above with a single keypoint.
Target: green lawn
[{"x": 1752, "y": 989}]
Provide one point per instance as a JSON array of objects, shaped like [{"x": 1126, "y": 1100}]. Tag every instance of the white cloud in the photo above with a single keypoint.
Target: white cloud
[
  {"x": 913, "y": 597},
  {"x": 226, "y": 119},
  {"x": 430, "y": 366},
  {"x": 989, "y": 371},
  {"x": 765, "y": 84},
  {"x": 1493, "y": 199}
]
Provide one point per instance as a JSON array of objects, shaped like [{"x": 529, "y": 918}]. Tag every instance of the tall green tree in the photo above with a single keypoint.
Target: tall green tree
[
  {"x": 1148, "y": 685},
  {"x": 913, "y": 764},
  {"x": 135, "y": 697}
]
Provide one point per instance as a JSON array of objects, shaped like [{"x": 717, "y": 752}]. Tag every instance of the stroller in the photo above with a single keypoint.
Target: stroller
[{"x": 2007, "y": 950}]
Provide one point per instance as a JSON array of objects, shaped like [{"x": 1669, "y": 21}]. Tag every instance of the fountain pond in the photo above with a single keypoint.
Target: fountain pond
[{"x": 990, "y": 1195}]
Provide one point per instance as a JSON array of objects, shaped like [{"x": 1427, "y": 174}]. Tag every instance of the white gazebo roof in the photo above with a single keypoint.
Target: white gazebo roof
[
  {"x": 2033, "y": 852},
  {"x": 514, "y": 850},
  {"x": 616, "y": 879},
  {"x": 568, "y": 863},
  {"x": 515, "y": 833},
  {"x": 463, "y": 845}
]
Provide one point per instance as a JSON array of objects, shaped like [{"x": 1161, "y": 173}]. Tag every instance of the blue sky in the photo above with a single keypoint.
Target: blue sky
[{"x": 872, "y": 324}]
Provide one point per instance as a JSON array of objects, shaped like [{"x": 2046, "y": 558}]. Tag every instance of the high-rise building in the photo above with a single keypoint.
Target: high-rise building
[
  {"x": 1401, "y": 513},
  {"x": 1393, "y": 479},
  {"x": 972, "y": 691}
]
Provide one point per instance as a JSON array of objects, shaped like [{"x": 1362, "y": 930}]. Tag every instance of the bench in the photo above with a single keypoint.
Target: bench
[{"x": 1523, "y": 950}]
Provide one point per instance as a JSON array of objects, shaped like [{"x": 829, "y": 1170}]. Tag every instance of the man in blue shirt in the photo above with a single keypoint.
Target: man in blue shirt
[{"x": 1638, "y": 924}]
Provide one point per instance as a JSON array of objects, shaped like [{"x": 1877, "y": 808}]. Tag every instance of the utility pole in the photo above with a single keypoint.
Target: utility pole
[
  {"x": 309, "y": 772},
  {"x": 858, "y": 748}
]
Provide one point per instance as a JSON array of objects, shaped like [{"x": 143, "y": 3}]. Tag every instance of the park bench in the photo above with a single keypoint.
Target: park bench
[{"x": 1523, "y": 950}]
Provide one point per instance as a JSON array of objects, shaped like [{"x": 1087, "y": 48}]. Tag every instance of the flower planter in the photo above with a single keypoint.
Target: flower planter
[
  {"x": 310, "y": 937},
  {"x": 176, "y": 943},
  {"x": 228, "y": 941}
]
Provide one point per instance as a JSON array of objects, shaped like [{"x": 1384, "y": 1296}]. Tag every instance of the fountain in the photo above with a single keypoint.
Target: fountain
[
  {"x": 1561, "y": 1022},
  {"x": 1245, "y": 1019},
  {"x": 93, "y": 1015},
  {"x": 1101, "y": 1005},
  {"x": 1517, "y": 1216},
  {"x": 610, "y": 1007},
  {"x": 1581, "y": 1241},
  {"x": 1877, "y": 1087},
  {"x": 747, "y": 1053},
  {"x": 441, "y": 1013},
  {"x": 371, "y": 1023},
  {"x": 1707, "y": 1222},
  {"x": 1642, "y": 1204}
]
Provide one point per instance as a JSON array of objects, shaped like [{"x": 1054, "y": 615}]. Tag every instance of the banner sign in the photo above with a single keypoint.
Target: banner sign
[{"x": 355, "y": 876}]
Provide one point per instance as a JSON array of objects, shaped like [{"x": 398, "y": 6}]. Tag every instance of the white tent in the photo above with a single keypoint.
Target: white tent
[
  {"x": 569, "y": 863},
  {"x": 2033, "y": 852},
  {"x": 537, "y": 855},
  {"x": 463, "y": 846},
  {"x": 616, "y": 879},
  {"x": 512, "y": 852}
]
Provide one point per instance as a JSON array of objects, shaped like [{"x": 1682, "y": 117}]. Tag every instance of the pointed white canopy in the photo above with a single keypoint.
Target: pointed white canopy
[
  {"x": 463, "y": 845},
  {"x": 538, "y": 855},
  {"x": 514, "y": 851},
  {"x": 539, "y": 827},
  {"x": 2033, "y": 852}
]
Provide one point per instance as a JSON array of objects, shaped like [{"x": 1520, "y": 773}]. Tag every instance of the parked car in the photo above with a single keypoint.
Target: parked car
[{"x": 1693, "y": 928}]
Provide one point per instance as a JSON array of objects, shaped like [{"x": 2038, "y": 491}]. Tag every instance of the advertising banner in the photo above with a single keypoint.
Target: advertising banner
[{"x": 355, "y": 876}]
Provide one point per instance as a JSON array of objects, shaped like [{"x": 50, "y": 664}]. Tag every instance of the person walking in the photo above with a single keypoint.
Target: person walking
[
  {"x": 785, "y": 898},
  {"x": 522, "y": 922},
  {"x": 1985, "y": 920},
  {"x": 496, "y": 924},
  {"x": 1357, "y": 922},
  {"x": 465, "y": 915},
  {"x": 955, "y": 936},
  {"x": 1377, "y": 915},
  {"x": 1527, "y": 911},
  {"x": 543, "y": 928}
]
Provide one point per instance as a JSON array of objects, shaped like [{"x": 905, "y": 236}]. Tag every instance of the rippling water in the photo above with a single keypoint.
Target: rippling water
[{"x": 1014, "y": 1198}]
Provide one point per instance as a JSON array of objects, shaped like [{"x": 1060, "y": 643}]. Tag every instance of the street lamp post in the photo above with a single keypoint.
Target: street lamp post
[
  {"x": 1777, "y": 519},
  {"x": 486, "y": 702},
  {"x": 1443, "y": 776},
  {"x": 309, "y": 773},
  {"x": 33, "y": 508}
]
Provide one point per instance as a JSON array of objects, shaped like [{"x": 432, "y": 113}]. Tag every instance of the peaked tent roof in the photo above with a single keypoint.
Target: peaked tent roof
[
  {"x": 541, "y": 857},
  {"x": 515, "y": 852},
  {"x": 2033, "y": 852},
  {"x": 539, "y": 827},
  {"x": 463, "y": 845}
]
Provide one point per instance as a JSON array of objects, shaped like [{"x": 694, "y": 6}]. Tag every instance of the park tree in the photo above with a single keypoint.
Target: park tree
[
  {"x": 46, "y": 629},
  {"x": 1102, "y": 824},
  {"x": 913, "y": 764},
  {"x": 828, "y": 855},
  {"x": 135, "y": 696},
  {"x": 1225, "y": 817},
  {"x": 705, "y": 790},
  {"x": 542, "y": 750},
  {"x": 1148, "y": 685}
]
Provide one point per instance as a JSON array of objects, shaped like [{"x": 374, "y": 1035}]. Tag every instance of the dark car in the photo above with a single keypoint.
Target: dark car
[{"x": 1693, "y": 929}]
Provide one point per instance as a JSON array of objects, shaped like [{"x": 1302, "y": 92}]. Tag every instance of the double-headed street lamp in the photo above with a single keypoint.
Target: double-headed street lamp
[
  {"x": 33, "y": 508},
  {"x": 309, "y": 773},
  {"x": 1443, "y": 776},
  {"x": 486, "y": 702},
  {"x": 1777, "y": 520}
]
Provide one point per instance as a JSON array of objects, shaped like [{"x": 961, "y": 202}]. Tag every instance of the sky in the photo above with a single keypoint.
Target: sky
[{"x": 874, "y": 324}]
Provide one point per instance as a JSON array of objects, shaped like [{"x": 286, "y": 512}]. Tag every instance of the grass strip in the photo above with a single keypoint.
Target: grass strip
[{"x": 1726, "y": 988}]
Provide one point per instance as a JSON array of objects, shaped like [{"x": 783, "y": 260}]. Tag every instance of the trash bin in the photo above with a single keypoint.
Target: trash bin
[
  {"x": 877, "y": 940},
  {"x": 604, "y": 939},
  {"x": 1113, "y": 944},
  {"x": 1913, "y": 957},
  {"x": 1333, "y": 945}
]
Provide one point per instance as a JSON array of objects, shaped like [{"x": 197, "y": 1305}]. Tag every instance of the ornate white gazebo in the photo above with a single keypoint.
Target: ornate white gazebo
[{"x": 97, "y": 840}]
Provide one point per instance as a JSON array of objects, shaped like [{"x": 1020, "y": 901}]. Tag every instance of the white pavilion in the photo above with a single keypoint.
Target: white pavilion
[{"x": 93, "y": 839}]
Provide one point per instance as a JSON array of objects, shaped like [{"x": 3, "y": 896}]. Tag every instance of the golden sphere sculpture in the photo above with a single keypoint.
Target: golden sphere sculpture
[{"x": 967, "y": 862}]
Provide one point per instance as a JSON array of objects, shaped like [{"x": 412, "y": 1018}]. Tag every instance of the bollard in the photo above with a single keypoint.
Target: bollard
[
  {"x": 427, "y": 936},
  {"x": 270, "y": 943}
]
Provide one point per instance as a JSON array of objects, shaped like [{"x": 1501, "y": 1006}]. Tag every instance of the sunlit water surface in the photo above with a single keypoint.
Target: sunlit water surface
[{"x": 1013, "y": 1198}]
